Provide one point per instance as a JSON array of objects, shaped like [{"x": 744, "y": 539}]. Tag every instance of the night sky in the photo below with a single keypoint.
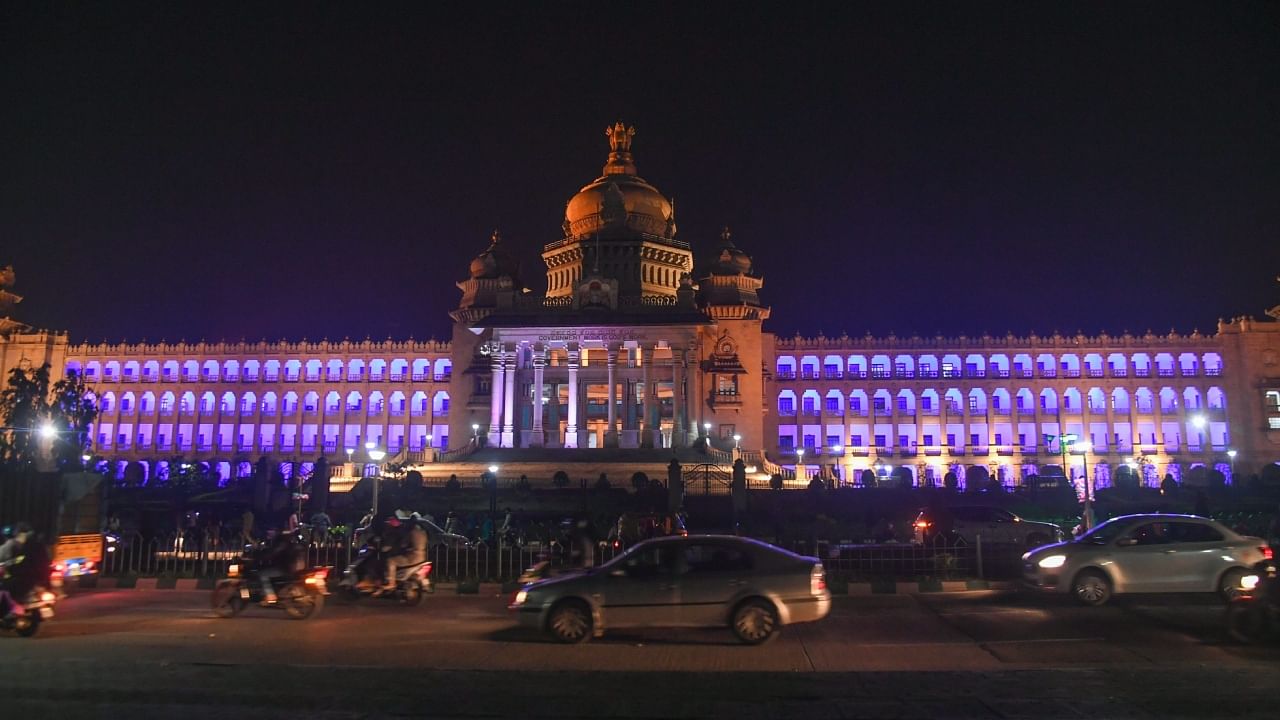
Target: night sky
[{"x": 248, "y": 170}]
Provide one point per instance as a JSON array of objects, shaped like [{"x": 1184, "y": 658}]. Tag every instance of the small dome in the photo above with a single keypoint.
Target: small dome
[
  {"x": 729, "y": 259},
  {"x": 619, "y": 198},
  {"x": 495, "y": 261}
]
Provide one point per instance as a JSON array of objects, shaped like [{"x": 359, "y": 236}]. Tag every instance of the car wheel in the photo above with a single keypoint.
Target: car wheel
[
  {"x": 1229, "y": 583},
  {"x": 570, "y": 621},
  {"x": 1091, "y": 588},
  {"x": 755, "y": 621},
  {"x": 1035, "y": 540}
]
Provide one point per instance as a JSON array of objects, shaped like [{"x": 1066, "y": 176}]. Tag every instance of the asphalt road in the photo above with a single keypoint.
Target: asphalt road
[{"x": 982, "y": 654}]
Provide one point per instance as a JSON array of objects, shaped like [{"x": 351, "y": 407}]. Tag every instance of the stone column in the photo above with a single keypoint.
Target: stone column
[
  {"x": 553, "y": 413},
  {"x": 536, "y": 438},
  {"x": 677, "y": 398},
  {"x": 495, "y": 397},
  {"x": 611, "y": 434},
  {"x": 652, "y": 423},
  {"x": 571, "y": 430},
  {"x": 509, "y": 399}
]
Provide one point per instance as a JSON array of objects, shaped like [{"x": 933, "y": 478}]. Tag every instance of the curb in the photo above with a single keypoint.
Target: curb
[{"x": 838, "y": 588}]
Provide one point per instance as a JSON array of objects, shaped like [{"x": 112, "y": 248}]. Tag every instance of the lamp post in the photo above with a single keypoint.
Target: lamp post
[
  {"x": 375, "y": 454},
  {"x": 1085, "y": 447},
  {"x": 1231, "y": 454},
  {"x": 475, "y": 433},
  {"x": 493, "y": 498},
  {"x": 737, "y": 442},
  {"x": 801, "y": 472}
]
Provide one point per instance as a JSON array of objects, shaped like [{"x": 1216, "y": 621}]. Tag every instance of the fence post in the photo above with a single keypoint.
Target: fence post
[{"x": 980, "y": 575}]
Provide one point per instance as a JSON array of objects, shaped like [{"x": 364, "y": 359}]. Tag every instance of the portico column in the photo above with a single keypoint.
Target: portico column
[
  {"x": 677, "y": 398},
  {"x": 509, "y": 400},
  {"x": 611, "y": 433},
  {"x": 495, "y": 398},
  {"x": 649, "y": 438},
  {"x": 535, "y": 436},
  {"x": 571, "y": 430}
]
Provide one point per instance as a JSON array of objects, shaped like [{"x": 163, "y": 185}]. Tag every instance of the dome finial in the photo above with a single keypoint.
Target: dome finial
[
  {"x": 620, "y": 162},
  {"x": 496, "y": 237},
  {"x": 725, "y": 236}
]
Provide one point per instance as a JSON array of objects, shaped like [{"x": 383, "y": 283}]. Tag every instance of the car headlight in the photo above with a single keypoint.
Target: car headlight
[
  {"x": 233, "y": 570},
  {"x": 1249, "y": 582},
  {"x": 1052, "y": 561},
  {"x": 520, "y": 597}
]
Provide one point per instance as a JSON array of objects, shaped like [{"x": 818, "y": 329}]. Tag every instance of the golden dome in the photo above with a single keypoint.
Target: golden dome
[{"x": 619, "y": 198}]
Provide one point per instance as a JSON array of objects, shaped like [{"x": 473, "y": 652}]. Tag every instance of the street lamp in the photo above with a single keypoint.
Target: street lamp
[
  {"x": 494, "y": 469},
  {"x": 48, "y": 431},
  {"x": 350, "y": 452},
  {"x": 737, "y": 442},
  {"x": 376, "y": 455},
  {"x": 1232, "y": 455}
]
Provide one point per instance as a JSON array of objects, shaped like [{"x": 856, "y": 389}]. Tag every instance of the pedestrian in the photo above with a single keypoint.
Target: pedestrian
[{"x": 246, "y": 527}]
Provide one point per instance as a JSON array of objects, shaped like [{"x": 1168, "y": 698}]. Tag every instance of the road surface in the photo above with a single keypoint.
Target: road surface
[{"x": 981, "y": 654}]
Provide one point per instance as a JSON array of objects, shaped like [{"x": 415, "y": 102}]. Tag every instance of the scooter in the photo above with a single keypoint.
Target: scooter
[
  {"x": 412, "y": 581},
  {"x": 301, "y": 596},
  {"x": 25, "y": 617},
  {"x": 1253, "y": 613}
]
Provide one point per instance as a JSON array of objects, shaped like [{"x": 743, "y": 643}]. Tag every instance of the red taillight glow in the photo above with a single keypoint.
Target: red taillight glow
[
  {"x": 817, "y": 580},
  {"x": 922, "y": 524},
  {"x": 1267, "y": 552},
  {"x": 59, "y": 567}
]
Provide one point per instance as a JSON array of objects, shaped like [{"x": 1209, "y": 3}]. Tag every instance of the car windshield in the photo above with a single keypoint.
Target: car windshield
[{"x": 1104, "y": 533}]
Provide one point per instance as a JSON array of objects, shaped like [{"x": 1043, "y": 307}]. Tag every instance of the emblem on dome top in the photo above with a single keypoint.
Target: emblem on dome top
[{"x": 620, "y": 137}]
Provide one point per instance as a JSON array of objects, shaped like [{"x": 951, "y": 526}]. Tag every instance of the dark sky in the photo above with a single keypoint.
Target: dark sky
[{"x": 262, "y": 169}]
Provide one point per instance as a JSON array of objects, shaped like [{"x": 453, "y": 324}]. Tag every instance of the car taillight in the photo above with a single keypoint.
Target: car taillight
[
  {"x": 59, "y": 568},
  {"x": 425, "y": 570},
  {"x": 922, "y": 524},
  {"x": 1267, "y": 552},
  {"x": 47, "y": 597},
  {"x": 817, "y": 580}
]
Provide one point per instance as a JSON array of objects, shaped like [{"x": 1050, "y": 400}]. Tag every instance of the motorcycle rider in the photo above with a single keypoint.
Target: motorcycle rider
[
  {"x": 410, "y": 550},
  {"x": 19, "y": 578},
  {"x": 280, "y": 557}
]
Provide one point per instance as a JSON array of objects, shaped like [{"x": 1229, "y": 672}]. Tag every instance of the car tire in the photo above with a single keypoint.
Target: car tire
[
  {"x": 569, "y": 622},
  {"x": 1091, "y": 587},
  {"x": 1229, "y": 583},
  {"x": 755, "y": 621}
]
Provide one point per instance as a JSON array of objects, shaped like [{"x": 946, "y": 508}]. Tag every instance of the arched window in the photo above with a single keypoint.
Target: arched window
[
  {"x": 882, "y": 401},
  {"x": 1217, "y": 399},
  {"x": 998, "y": 366},
  {"x": 248, "y": 404},
  {"x": 112, "y": 372},
  {"x": 786, "y": 367},
  {"x": 786, "y": 403},
  {"x": 951, "y": 366},
  {"x": 1097, "y": 400},
  {"x": 355, "y": 370},
  {"x": 150, "y": 371},
  {"x": 188, "y": 406},
  {"x": 148, "y": 404},
  {"x": 1141, "y": 365},
  {"x": 1048, "y": 400},
  {"x": 928, "y": 366},
  {"x": 1026, "y": 401},
  {"x": 421, "y": 369},
  {"x": 833, "y": 369},
  {"x": 377, "y": 370},
  {"x": 1070, "y": 364},
  {"x": 859, "y": 403},
  {"x": 857, "y": 367},
  {"x": 1188, "y": 364},
  {"x": 376, "y": 403},
  {"x": 231, "y": 371},
  {"x": 228, "y": 404},
  {"x": 397, "y": 403},
  {"x": 1023, "y": 367},
  {"x": 127, "y": 405},
  {"x": 977, "y": 401},
  {"x": 809, "y": 367},
  {"x": 1046, "y": 365},
  {"x": 929, "y": 403},
  {"x": 333, "y": 370},
  {"x": 440, "y": 403},
  {"x": 290, "y": 404},
  {"x": 418, "y": 404},
  {"x": 108, "y": 403},
  {"x": 1164, "y": 365},
  {"x": 399, "y": 370},
  {"x": 207, "y": 403},
  {"x": 166, "y": 404},
  {"x": 904, "y": 366},
  {"x": 1212, "y": 364},
  {"x": 251, "y": 370},
  {"x": 92, "y": 371},
  {"x": 311, "y": 403},
  {"x": 906, "y": 402},
  {"x": 1191, "y": 398},
  {"x": 169, "y": 372},
  {"x": 312, "y": 371},
  {"x": 332, "y": 403},
  {"x": 209, "y": 372},
  {"x": 271, "y": 371},
  {"x": 1000, "y": 402},
  {"x": 190, "y": 371},
  {"x": 354, "y": 401},
  {"x": 269, "y": 404},
  {"x": 1071, "y": 400},
  {"x": 1168, "y": 400},
  {"x": 1093, "y": 365},
  {"x": 833, "y": 403},
  {"x": 975, "y": 366},
  {"x": 809, "y": 403},
  {"x": 881, "y": 366},
  {"x": 444, "y": 370},
  {"x": 1120, "y": 400},
  {"x": 1144, "y": 399}
]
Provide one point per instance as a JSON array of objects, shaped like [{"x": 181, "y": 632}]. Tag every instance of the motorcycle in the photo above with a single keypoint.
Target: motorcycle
[
  {"x": 37, "y": 608},
  {"x": 301, "y": 596},
  {"x": 1253, "y": 613},
  {"x": 412, "y": 582}
]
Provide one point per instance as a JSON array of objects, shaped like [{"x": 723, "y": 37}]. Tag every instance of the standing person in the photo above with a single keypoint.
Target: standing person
[{"x": 246, "y": 527}]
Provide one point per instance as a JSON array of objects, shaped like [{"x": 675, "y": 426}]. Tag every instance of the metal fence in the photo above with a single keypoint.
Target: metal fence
[
  {"x": 182, "y": 555},
  {"x": 941, "y": 558}
]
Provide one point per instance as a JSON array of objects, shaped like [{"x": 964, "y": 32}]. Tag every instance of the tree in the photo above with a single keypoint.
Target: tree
[
  {"x": 950, "y": 481},
  {"x": 603, "y": 482},
  {"x": 639, "y": 481},
  {"x": 560, "y": 479},
  {"x": 1126, "y": 479},
  {"x": 28, "y": 403},
  {"x": 1168, "y": 485},
  {"x": 868, "y": 478}
]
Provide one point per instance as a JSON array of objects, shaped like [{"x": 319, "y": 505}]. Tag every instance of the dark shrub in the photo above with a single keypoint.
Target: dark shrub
[
  {"x": 950, "y": 481},
  {"x": 560, "y": 479},
  {"x": 775, "y": 482},
  {"x": 603, "y": 482},
  {"x": 453, "y": 483},
  {"x": 639, "y": 481}
]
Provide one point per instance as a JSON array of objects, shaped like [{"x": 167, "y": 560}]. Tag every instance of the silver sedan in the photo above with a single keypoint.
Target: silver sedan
[
  {"x": 749, "y": 586},
  {"x": 1144, "y": 554}
]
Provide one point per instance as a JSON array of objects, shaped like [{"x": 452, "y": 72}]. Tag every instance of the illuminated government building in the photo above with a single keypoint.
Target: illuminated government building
[{"x": 638, "y": 345}]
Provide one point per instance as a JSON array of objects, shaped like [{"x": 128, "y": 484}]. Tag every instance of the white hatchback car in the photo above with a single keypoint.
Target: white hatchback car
[{"x": 1144, "y": 554}]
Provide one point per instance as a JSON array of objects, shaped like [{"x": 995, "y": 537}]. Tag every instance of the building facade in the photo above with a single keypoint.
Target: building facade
[{"x": 637, "y": 344}]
